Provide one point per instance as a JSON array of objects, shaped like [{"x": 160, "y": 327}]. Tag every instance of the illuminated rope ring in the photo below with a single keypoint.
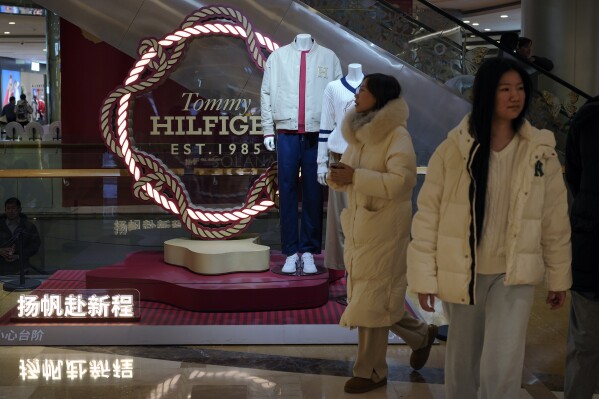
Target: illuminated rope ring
[{"x": 152, "y": 179}]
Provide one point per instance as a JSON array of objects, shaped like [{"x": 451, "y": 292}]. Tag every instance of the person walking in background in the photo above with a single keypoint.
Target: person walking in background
[
  {"x": 524, "y": 50},
  {"x": 509, "y": 42},
  {"x": 582, "y": 175},
  {"x": 378, "y": 172},
  {"x": 492, "y": 222},
  {"x": 23, "y": 110},
  {"x": 41, "y": 109}
]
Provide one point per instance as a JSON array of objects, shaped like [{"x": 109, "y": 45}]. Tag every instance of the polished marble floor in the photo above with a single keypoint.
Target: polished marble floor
[{"x": 223, "y": 372}]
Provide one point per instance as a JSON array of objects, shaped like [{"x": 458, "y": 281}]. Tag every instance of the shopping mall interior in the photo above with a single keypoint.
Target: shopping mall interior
[{"x": 145, "y": 135}]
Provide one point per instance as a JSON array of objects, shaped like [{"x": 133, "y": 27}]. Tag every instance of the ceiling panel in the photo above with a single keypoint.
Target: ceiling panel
[
  {"x": 486, "y": 13},
  {"x": 26, "y": 38}
]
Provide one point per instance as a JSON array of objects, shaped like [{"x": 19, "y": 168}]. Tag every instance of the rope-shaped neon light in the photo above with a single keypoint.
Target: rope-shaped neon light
[{"x": 153, "y": 181}]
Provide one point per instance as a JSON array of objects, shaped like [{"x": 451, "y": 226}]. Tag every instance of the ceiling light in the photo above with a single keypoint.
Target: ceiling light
[
  {"x": 45, "y": 49},
  {"x": 466, "y": 21},
  {"x": 503, "y": 16},
  {"x": 11, "y": 23},
  {"x": 475, "y": 24},
  {"x": 7, "y": 33},
  {"x": 487, "y": 29}
]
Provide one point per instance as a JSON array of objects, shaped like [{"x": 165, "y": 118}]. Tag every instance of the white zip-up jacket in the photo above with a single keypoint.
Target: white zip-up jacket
[
  {"x": 442, "y": 254},
  {"x": 279, "y": 95}
]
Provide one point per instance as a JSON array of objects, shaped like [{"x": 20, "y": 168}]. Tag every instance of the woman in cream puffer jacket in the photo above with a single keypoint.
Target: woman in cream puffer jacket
[
  {"x": 492, "y": 222},
  {"x": 538, "y": 243},
  {"x": 378, "y": 172}
]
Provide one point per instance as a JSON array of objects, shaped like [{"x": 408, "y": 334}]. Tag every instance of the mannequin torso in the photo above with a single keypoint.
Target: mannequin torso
[
  {"x": 303, "y": 41},
  {"x": 338, "y": 97},
  {"x": 354, "y": 74}
]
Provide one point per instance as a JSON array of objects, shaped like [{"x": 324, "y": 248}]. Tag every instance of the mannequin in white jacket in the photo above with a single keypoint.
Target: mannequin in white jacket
[
  {"x": 338, "y": 97},
  {"x": 303, "y": 41},
  {"x": 295, "y": 77}
]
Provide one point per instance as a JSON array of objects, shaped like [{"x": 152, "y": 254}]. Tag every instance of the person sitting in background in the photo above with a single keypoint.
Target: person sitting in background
[
  {"x": 524, "y": 50},
  {"x": 19, "y": 238},
  {"x": 9, "y": 110}
]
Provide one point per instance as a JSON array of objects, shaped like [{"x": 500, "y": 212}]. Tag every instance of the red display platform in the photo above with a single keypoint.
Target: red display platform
[
  {"x": 160, "y": 314},
  {"x": 236, "y": 292}
]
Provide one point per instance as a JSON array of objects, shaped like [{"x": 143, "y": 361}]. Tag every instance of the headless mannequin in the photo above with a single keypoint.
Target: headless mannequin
[
  {"x": 295, "y": 76},
  {"x": 354, "y": 74},
  {"x": 354, "y": 78},
  {"x": 303, "y": 41},
  {"x": 338, "y": 98}
]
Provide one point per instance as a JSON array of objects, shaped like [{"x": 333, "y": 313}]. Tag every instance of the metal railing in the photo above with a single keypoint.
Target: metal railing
[{"x": 441, "y": 52}]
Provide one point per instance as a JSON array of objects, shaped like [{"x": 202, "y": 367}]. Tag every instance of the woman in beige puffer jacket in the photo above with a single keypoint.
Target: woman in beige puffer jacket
[
  {"x": 378, "y": 172},
  {"x": 492, "y": 222}
]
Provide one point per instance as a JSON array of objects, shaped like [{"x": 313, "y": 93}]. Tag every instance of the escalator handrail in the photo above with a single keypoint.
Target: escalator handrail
[
  {"x": 498, "y": 45},
  {"x": 420, "y": 24}
]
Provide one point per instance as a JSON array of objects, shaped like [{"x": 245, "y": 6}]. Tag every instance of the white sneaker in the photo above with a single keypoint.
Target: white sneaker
[
  {"x": 291, "y": 264},
  {"x": 308, "y": 263}
]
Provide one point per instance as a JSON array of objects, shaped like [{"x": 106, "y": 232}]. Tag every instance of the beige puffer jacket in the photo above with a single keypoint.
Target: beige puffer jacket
[
  {"x": 377, "y": 221},
  {"x": 442, "y": 255}
]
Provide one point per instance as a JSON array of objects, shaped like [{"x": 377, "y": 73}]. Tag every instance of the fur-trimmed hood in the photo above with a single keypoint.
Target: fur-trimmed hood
[{"x": 388, "y": 118}]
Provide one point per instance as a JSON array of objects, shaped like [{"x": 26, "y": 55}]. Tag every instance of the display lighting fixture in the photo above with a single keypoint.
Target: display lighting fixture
[
  {"x": 12, "y": 23},
  {"x": 487, "y": 29},
  {"x": 466, "y": 22},
  {"x": 503, "y": 16},
  {"x": 475, "y": 24}
]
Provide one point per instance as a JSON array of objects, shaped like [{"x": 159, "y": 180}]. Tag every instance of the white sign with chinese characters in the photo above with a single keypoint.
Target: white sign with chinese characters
[
  {"x": 68, "y": 369},
  {"x": 122, "y": 227},
  {"x": 88, "y": 305},
  {"x": 27, "y": 336}
]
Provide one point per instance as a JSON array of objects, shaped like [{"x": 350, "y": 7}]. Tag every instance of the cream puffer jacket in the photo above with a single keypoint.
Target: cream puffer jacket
[
  {"x": 376, "y": 223},
  {"x": 442, "y": 255}
]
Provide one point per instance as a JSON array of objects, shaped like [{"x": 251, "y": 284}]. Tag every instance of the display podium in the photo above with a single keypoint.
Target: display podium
[
  {"x": 215, "y": 276},
  {"x": 242, "y": 254}
]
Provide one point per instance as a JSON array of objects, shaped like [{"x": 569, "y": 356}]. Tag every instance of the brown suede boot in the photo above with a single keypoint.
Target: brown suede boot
[
  {"x": 361, "y": 385},
  {"x": 419, "y": 357}
]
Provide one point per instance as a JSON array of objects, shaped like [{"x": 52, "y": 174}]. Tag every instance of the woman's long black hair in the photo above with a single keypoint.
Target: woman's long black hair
[
  {"x": 483, "y": 108},
  {"x": 383, "y": 87}
]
